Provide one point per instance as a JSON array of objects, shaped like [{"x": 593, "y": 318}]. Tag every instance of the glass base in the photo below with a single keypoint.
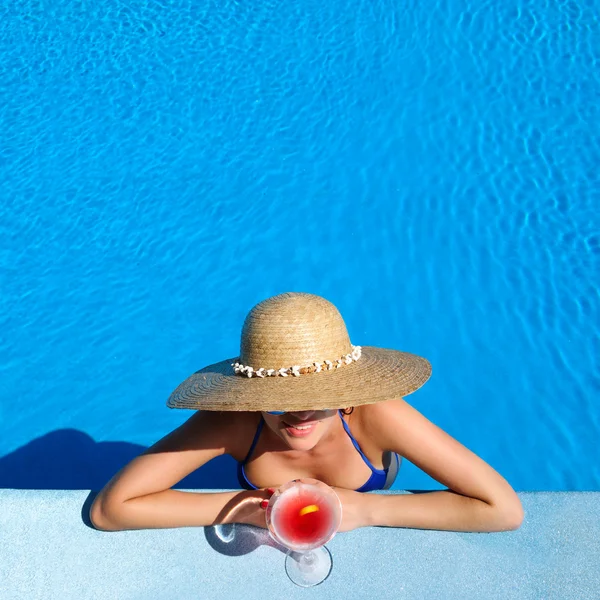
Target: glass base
[{"x": 309, "y": 568}]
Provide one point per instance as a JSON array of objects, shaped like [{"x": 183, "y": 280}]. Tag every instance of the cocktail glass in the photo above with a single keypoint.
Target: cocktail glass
[{"x": 303, "y": 515}]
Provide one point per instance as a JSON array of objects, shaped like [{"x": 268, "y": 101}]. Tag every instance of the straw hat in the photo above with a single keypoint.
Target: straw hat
[{"x": 295, "y": 354}]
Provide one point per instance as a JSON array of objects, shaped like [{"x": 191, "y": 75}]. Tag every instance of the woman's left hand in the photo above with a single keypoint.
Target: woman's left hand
[{"x": 354, "y": 509}]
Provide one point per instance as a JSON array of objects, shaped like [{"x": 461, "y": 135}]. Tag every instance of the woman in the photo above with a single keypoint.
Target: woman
[{"x": 335, "y": 413}]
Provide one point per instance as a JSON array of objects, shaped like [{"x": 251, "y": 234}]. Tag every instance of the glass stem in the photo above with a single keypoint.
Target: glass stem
[
  {"x": 309, "y": 558},
  {"x": 308, "y": 561}
]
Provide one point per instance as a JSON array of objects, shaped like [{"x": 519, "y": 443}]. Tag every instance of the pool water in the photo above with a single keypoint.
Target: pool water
[{"x": 432, "y": 169}]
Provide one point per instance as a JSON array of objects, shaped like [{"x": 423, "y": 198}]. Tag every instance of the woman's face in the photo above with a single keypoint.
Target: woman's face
[{"x": 301, "y": 430}]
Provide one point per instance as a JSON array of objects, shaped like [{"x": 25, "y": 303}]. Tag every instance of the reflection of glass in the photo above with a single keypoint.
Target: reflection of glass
[{"x": 303, "y": 515}]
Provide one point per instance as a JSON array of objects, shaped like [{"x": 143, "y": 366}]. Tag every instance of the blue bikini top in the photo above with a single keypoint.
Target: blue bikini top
[{"x": 381, "y": 479}]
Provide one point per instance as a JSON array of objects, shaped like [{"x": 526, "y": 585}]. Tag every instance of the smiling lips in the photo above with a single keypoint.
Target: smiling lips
[{"x": 300, "y": 430}]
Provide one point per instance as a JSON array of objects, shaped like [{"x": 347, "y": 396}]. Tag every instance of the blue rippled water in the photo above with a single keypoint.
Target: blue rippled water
[{"x": 432, "y": 169}]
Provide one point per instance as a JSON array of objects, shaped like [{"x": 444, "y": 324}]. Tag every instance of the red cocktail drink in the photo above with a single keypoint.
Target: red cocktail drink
[
  {"x": 304, "y": 519},
  {"x": 303, "y": 515}
]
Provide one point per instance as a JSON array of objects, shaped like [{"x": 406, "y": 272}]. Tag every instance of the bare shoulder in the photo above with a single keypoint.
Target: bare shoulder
[
  {"x": 202, "y": 437},
  {"x": 403, "y": 429},
  {"x": 219, "y": 431},
  {"x": 390, "y": 424}
]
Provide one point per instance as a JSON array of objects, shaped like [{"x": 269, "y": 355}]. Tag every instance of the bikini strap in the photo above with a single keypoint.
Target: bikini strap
[
  {"x": 358, "y": 448},
  {"x": 255, "y": 440}
]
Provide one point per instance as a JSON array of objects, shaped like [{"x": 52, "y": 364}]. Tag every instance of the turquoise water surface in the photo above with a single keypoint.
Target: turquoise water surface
[{"x": 432, "y": 169}]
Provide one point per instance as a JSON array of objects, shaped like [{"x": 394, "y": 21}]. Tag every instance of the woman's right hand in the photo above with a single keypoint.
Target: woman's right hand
[{"x": 247, "y": 507}]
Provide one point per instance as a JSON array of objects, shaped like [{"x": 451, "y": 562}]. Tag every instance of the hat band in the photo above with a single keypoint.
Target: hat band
[{"x": 296, "y": 371}]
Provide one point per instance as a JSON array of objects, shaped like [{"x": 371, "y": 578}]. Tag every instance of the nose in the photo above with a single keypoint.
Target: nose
[{"x": 304, "y": 415}]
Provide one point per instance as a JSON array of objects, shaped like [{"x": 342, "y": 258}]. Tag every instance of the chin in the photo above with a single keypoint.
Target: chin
[
  {"x": 305, "y": 442},
  {"x": 302, "y": 446}
]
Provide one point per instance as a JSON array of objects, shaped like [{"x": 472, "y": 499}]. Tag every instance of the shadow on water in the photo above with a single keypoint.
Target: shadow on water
[{"x": 67, "y": 459}]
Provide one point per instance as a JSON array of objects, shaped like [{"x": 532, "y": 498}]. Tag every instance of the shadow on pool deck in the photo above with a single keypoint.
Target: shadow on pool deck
[
  {"x": 236, "y": 540},
  {"x": 67, "y": 459}
]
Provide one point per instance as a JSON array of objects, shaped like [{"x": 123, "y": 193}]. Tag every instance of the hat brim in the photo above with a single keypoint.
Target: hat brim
[{"x": 380, "y": 374}]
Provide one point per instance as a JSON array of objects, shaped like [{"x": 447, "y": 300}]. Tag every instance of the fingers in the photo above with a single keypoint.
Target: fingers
[{"x": 264, "y": 503}]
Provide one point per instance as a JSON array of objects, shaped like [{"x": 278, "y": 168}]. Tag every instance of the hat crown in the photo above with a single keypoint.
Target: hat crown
[{"x": 293, "y": 329}]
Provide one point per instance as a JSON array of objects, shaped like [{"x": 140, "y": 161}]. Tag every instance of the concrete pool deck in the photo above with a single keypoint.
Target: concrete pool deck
[{"x": 48, "y": 552}]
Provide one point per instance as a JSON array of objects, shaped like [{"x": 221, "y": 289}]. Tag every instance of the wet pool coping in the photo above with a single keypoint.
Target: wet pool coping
[{"x": 48, "y": 551}]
